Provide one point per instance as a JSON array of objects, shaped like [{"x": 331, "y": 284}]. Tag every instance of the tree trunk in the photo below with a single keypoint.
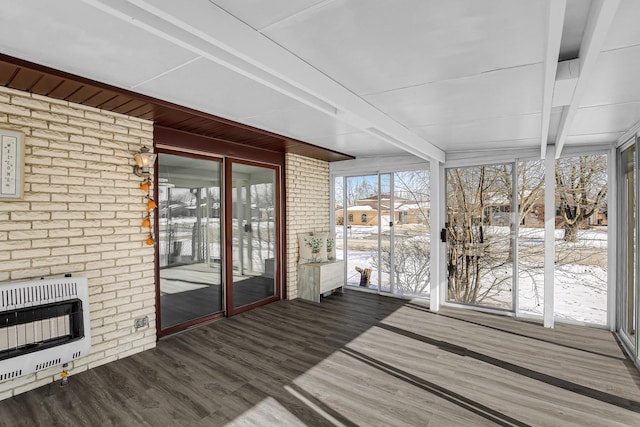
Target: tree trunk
[{"x": 570, "y": 232}]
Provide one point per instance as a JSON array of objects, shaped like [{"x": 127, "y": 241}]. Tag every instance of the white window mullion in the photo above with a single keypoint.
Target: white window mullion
[
  {"x": 612, "y": 238},
  {"x": 515, "y": 217},
  {"x": 437, "y": 208}
]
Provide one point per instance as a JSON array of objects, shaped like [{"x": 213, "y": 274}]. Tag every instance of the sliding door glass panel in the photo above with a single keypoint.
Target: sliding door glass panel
[
  {"x": 253, "y": 233},
  {"x": 189, "y": 239},
  {"x": 479, "y": 236},
  {"x": 361, "y": 228},
  {"x": 531, "y": 237},
  {"x": 387, "y": 228},
  {"x": 628, "y": 233},
  {"x": 580, "y": 282},
  {"x": 629, "y": 239},
  {"x": 411, "y": 233}
]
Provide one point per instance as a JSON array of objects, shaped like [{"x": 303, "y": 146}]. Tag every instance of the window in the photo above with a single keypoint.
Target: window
[
  {"x": 350, "y": 217},
  {"x": 363, "y": 218}
]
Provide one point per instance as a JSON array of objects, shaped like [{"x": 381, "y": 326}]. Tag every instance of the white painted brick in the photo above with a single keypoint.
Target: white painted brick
[
  {"x": 79, "y": 203},
  {"x": 67, "y": 215},
  {"x": 64, "y": 128},
  {"x": 37, "y": 160},
  {"x": 49, "y": 243},
  {"x": 98, "y": 117},
  {"x": 98, "y": 231},
  {"x": 49, "y": 261},
  {"x": 14, "y": 206},
  {"x": 14, "y": 109},
  {"x": 67, "y": 250},
  {"x": 49, "y": 116},
  {"x": 83, "y": 123},
  {"x": 57, "y": 224},
  {"x": 98, "y": 133},
  {"x": 66, "y": 268},
  {"x": 66, "y": 110},
  {"x": 30, "y": 273},
  {"x": 70, "y": 232}
]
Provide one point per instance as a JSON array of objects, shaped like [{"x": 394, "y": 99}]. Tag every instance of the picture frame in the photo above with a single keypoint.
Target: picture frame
[{"x": 11, "y": 165}]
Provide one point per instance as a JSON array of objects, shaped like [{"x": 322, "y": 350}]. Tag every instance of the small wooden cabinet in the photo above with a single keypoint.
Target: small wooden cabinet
[{"x": 316, "y": 278}]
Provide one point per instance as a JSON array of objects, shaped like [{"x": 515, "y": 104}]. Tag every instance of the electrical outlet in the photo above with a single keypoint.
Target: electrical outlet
[{"x": 141, "y": 323}]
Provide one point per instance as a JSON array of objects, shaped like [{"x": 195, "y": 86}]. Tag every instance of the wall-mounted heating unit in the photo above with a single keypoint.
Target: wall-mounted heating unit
[{"x": 43, "y": 323}]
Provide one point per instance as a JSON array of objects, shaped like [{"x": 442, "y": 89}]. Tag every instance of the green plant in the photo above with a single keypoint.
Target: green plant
[
  {"x": 313, "y": 242},
  {"x": 331, "y": 242}
]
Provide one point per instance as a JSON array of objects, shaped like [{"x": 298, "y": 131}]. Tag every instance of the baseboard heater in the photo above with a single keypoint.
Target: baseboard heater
[{"x": 43, "y": 323}]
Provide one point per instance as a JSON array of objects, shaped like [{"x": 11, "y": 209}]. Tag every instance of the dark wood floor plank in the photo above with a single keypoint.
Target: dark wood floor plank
[{"x": 354, "y": 359}]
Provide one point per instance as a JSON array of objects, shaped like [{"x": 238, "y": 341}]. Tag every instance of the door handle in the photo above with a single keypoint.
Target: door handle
[{"x": 443, "y": 233}]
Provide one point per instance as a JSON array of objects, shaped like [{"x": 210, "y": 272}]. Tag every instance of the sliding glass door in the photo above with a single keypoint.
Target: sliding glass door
[
  {"x": 628, "y": 255},
  {"x": 253, "y": 230},
  {"x": 189, "y": 240},
  {"x": 218, "y": 245},
  {"x": 480, "y": 236},
  {"x": 383, "y": 231}
]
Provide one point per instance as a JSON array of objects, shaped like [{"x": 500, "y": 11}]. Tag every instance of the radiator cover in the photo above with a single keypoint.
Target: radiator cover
[{"x": 43, "y": 323}]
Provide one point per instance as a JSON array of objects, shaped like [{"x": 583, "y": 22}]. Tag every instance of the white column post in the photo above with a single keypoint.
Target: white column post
[{"x": 549, "y": 233}]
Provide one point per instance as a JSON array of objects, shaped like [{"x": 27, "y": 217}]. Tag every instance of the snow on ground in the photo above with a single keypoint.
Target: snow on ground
[{"x": 580, "y": 290}]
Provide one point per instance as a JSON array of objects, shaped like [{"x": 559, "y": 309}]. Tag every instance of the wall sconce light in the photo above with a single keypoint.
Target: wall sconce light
[{"x": 144, "y": 160}]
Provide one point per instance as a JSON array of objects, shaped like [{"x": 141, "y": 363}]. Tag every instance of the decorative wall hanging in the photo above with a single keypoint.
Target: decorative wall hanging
[
  {"x": 145, "y": 160},
  {"x": 11, "y": 165}
]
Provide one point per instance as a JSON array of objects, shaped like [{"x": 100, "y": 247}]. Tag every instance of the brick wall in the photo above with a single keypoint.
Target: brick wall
[
  {"x": 81, "y": 214},
  {"x": 307, "y": 184}
]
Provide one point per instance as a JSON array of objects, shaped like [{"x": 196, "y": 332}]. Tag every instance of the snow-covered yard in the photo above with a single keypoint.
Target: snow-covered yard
[{"x": 580, "y": 271}]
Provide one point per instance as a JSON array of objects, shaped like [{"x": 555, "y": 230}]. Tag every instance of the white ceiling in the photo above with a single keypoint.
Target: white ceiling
[{"x": 368, "y": 78}]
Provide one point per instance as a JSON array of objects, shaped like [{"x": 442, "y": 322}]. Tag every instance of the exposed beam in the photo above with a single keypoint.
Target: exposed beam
[
  {"x": 555, "y": 22},
  {"x": 600, "y": 19},
  {"x": 211, "y": 32}
]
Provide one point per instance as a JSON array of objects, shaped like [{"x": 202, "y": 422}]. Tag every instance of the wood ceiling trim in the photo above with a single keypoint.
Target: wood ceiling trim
[{"x": 23, "y": 75}]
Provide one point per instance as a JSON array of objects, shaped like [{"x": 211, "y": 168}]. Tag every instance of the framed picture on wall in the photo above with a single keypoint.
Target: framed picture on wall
[{"x": 11, "y": 165}]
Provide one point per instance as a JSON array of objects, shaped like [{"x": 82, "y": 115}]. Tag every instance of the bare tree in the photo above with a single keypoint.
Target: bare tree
[
  {"x": 581, "y": 187},
  {"x": 359, "y": 188},
  {"x": 411, "y": 265},
  {"x": 473, "y": 252},
  {"x": 416, "y": 186}
]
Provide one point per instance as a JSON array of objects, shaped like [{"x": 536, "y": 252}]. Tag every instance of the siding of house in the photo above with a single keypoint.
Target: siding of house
[
  {"x": 307, "y": 186},
  {"x": 81, "y": 214}
]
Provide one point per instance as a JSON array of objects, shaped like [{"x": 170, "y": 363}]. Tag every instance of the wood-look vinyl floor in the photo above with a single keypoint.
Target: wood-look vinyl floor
[{"x": 354, "y": 359}]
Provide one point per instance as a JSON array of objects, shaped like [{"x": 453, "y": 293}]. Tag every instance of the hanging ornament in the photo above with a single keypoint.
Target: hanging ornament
[
  {"x": 150, "y": 240},
  {"x": 146, "y": 185},
  {"x": 146, "y": 222},
  {"x": 151, "y": 204}
]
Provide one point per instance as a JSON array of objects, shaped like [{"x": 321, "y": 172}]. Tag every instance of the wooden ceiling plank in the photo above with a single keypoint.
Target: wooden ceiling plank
[
  {"x": 100, "y": 98},
  {"x": 25, "y": 79},
  {"x": 7, "y": 72},
  {"x": 115, "y": 102},
  {"x": 129, "y": 106},
  {"x": 46, "y": 84},
  {"x": 66, "y": 88},
  {"x": 82, "y": 94}
]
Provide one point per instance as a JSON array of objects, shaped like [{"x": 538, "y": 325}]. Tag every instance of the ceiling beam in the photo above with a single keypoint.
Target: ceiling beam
[
  {"x": 555, "y": 22},
  {"x": 214, "y": 34},
  {"x": 600, "y": 19}
]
